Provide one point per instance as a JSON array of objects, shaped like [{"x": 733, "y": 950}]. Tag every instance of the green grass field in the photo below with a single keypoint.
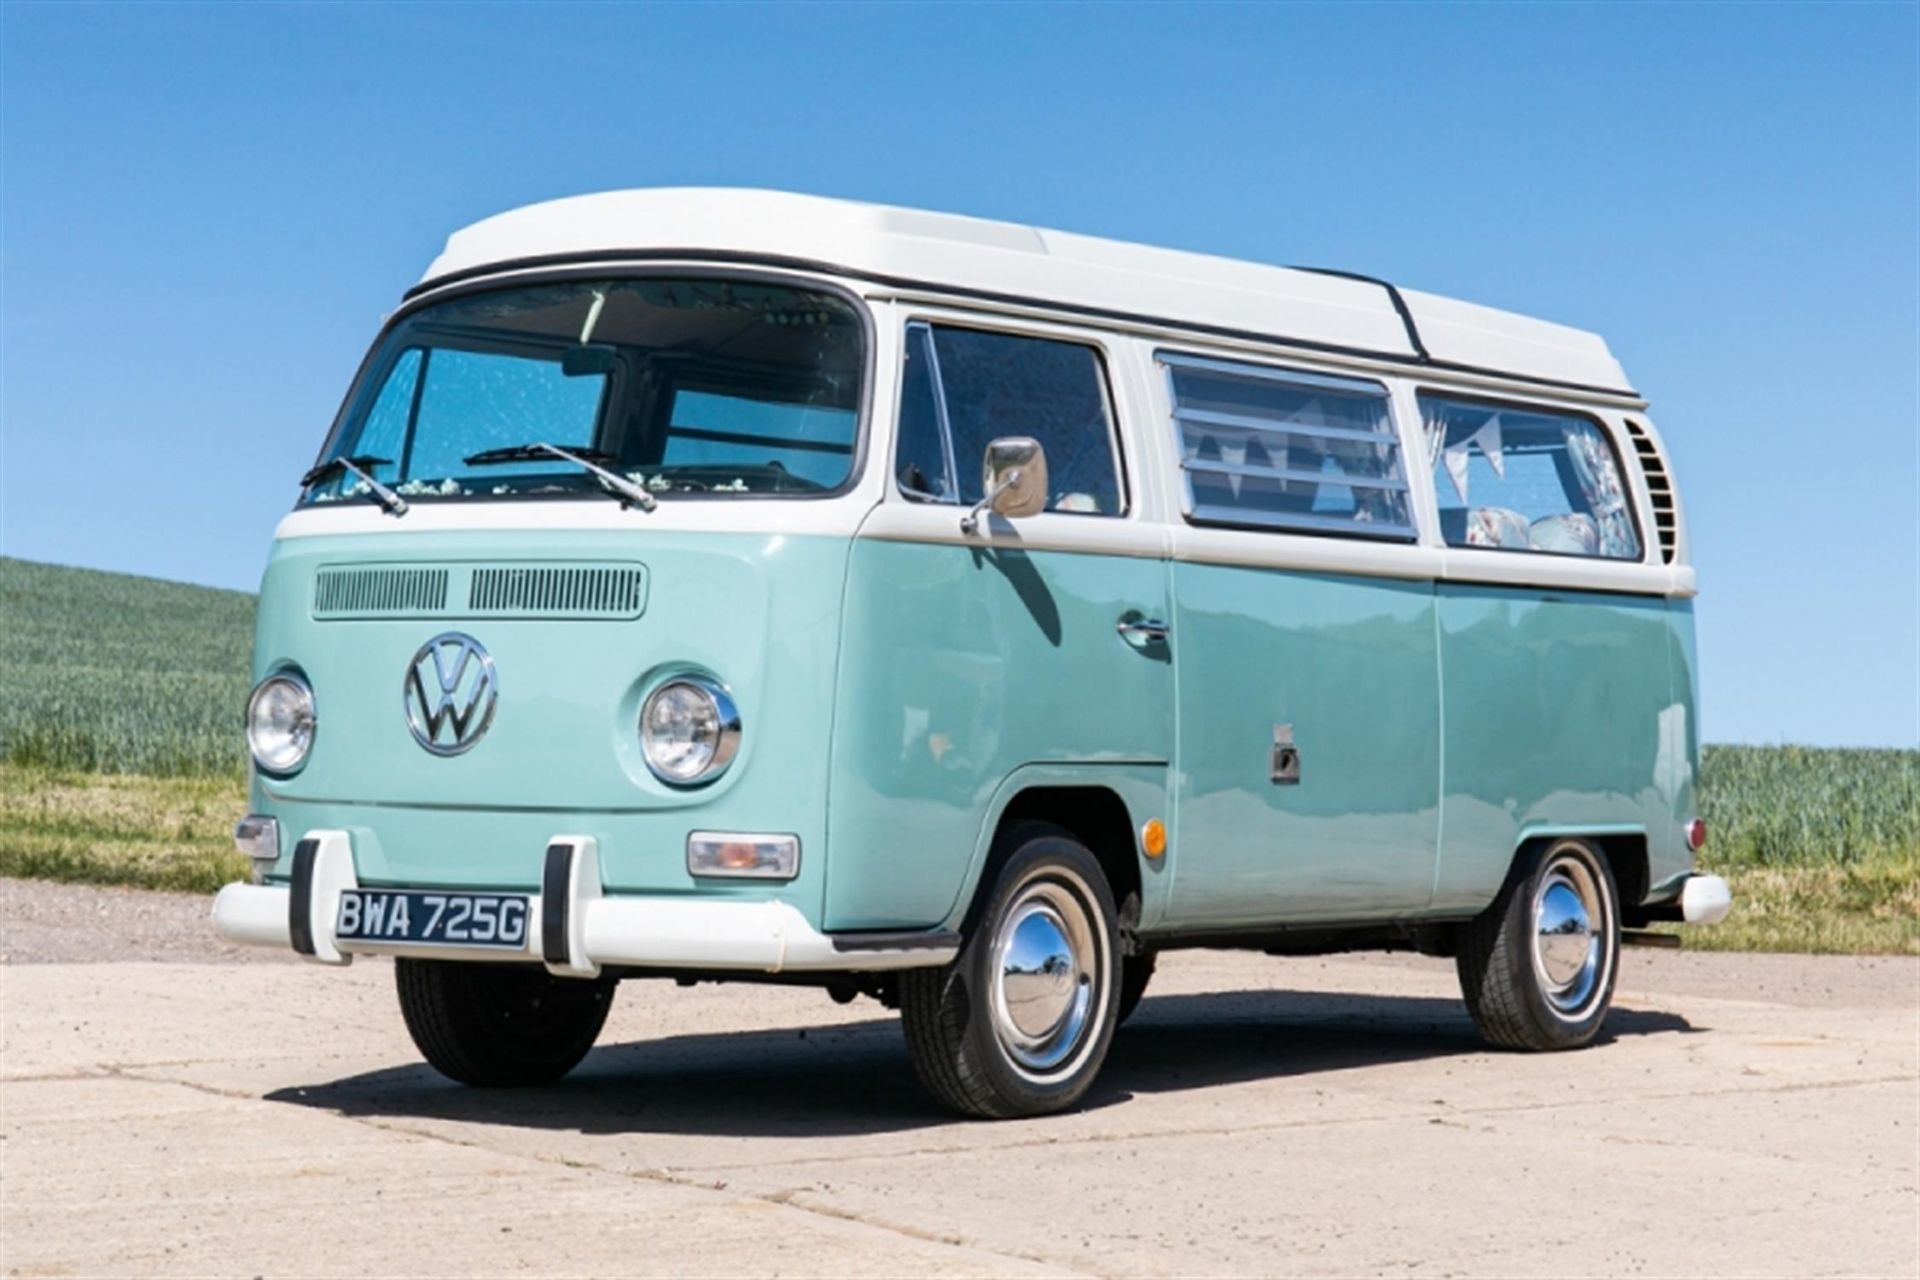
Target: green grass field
[
  {"x": 108, "y": 673},
  {"x": 1822, "y": 848},
  {"x": 121, "y": 763}
]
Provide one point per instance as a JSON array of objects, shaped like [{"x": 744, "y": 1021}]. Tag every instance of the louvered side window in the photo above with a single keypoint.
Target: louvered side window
[
  {"x": 1666, "y": 517},
  {"x": 1284, "y": 449}
]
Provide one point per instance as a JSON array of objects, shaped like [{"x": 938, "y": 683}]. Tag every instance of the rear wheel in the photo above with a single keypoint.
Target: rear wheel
[
  {"x": 1537, "y": 967},
  {"x": 485, "y": 1024},
  {"x": 1019, "y": 1024}
]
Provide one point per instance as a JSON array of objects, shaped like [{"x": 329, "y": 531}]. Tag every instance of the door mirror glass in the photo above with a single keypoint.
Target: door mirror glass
[
  {"x": 1014, "y": 476},
  {"x": 1013, "y": 480}
]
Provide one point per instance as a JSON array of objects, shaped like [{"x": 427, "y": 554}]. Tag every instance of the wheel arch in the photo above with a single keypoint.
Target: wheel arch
[
  {"x": 1102, "y": 806},
  {"x": 1624, "y": 848}
]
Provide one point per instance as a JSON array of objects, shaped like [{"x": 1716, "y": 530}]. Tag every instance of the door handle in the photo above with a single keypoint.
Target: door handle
[{"x": 1138, "y": 631}]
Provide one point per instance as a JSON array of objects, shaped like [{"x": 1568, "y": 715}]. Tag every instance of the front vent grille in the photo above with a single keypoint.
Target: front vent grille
[
  {"x": 1666, "y": 517},
  {"x": 378, "y": 593},
  {"x": 609, "y": 591}
]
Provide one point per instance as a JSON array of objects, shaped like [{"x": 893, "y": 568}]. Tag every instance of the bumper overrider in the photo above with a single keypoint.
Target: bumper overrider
[
  {"x": 1702, "y": 899},
  {"x": 574, "y": 928}
]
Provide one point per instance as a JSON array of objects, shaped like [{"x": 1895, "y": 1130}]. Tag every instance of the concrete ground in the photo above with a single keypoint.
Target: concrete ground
[{"x": 1746, "y": 1115}]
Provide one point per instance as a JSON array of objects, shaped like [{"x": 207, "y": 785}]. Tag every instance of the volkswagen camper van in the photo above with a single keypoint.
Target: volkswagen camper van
[{"x": 708, "y": 585}]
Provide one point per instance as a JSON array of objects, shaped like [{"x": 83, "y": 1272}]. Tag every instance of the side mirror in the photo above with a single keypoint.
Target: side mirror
[{"x": 1014, "y": 481}]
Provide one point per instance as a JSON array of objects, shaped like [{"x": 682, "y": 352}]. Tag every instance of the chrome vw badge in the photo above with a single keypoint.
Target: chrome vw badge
[{"x": 450, "y": 693}]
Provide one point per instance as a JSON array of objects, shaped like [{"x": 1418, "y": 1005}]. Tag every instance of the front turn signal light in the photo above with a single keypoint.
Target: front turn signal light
[{"x": 749, "y": 855}]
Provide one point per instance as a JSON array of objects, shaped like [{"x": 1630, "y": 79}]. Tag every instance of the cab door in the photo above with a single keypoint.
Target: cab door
[
  {"x": 1308, "y": 750},
  {"x": 970, "y": 657}
]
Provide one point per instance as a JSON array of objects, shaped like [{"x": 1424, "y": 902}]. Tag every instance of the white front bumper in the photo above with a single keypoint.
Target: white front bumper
[{"x": 573, "y": 927}]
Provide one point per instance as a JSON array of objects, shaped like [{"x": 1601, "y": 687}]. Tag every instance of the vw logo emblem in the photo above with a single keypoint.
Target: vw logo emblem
[{"x": 451, "y": 690}]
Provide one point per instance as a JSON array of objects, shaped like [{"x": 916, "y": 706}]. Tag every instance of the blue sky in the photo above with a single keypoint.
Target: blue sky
[{"x": 207, "y": 210}]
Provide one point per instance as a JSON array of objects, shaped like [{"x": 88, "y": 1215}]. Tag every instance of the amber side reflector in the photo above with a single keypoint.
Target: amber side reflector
[{"x": 1153, "y": 837}]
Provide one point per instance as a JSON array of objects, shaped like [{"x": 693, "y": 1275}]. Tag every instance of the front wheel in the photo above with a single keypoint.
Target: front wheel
[
  {"x": 1537, "y": 967},
  {"x": 1135, "y": 973},
  {"x": 1020, "y": 1022},
  {"x": 486, "y": 1024}
]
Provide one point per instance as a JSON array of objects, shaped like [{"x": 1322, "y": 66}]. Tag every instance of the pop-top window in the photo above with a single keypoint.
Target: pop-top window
[
  {"x": 1527, "y": 479},
  {"x": 683, "y": 386},
  {"x": 1288, "y": 450},
  {"x": 961, "y": 389}
]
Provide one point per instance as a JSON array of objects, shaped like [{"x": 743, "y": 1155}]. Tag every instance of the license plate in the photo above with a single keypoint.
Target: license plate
[{"x": 433, "y": 919}]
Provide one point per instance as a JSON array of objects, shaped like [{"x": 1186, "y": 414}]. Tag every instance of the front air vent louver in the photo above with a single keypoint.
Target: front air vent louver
[
  {"x": 610, "y": 591},
  {"x": 378, "y": 593},
  {"x": 1666, "y": 517}
]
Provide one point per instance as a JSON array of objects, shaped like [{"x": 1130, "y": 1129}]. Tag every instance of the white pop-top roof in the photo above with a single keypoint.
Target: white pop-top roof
[{"x": 949, "y": 252}]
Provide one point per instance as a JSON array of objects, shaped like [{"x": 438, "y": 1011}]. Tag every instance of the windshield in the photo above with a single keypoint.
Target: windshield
[{"x": 684, "y": 386}]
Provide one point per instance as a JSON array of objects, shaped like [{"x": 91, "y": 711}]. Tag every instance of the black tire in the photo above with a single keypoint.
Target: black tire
[
  {"x": 958, "y": 1020},
  {"x": 499, "y": 1025},
  {"x": 1135, "y": 973},
  {"x": 1519, "y": 997}
]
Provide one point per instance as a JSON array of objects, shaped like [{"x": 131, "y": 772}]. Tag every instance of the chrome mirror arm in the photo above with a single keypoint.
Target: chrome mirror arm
[{"x": 970, "y": 522}]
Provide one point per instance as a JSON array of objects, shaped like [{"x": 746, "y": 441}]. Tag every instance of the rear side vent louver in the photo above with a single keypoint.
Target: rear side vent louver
[
  {"x": 1666, "y": 518},
  {"x": 363, "y": 593},
  {"x": 610, "y": 591}
]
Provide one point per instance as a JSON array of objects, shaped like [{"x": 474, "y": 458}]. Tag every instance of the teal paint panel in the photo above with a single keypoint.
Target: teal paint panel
[
  {"x": 1558, "y": 704},
  {"x": 1143, "y": 790},
  {"x": 760, "y": 611},
  {"x": 962, "y": 664},
  {"x": 1677, "y": 768},
  {"x": 1349, "y": 663}
]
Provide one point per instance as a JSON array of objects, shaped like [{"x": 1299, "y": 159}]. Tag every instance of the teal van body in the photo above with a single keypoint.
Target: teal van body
[
  {"x": 708, "y": 584},
  {"x": 945, "y": 675}
]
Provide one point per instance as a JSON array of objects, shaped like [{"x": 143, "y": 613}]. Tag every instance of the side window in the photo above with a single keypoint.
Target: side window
[
  {"x": 921, "y": 463},
  {"x": 963, "y": 388},
  {"x": 1527, "y": 479},
  {"x": 1287, "y": 450}
]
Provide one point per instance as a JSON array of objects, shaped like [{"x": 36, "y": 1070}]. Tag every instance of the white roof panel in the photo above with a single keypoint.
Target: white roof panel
[{"x": 950, "y": 252}]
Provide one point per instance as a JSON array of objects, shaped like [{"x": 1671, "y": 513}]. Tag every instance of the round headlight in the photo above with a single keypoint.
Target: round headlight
[
  {"x": 280, "y": 722},
  {"x": 689, "y": 730}
]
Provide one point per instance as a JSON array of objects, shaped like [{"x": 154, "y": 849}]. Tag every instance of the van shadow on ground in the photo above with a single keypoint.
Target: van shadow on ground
[{"x": 854, "y": 1078}]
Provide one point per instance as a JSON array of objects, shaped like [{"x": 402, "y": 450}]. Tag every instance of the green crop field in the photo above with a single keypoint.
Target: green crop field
[
  {"x": 1822, "y": 848},
  {"x": 107, "y": 673},
  {"x": 121, "y": 762}
]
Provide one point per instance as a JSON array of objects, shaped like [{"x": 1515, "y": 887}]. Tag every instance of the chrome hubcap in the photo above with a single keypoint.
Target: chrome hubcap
[
  {"x": 1570, "y": 932},
  {"x": 1045, "y": 963}
]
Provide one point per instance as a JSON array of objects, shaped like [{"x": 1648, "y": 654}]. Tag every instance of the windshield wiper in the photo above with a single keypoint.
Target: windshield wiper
[
  {"x": 390, "y": 502},
  {"x": 588, "y": 460}
]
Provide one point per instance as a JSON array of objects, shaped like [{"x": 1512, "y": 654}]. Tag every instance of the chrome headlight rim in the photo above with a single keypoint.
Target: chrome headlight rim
[
  {"x": 282, "y": 766},
  {"x": 726, "y": 716}
]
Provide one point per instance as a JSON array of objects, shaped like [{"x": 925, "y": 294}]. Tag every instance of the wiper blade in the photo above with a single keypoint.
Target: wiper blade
[
  {"x": 390, "y": 502},
  {"x": 588, "y": 460},
  {"x": 534, "y": 453}
]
